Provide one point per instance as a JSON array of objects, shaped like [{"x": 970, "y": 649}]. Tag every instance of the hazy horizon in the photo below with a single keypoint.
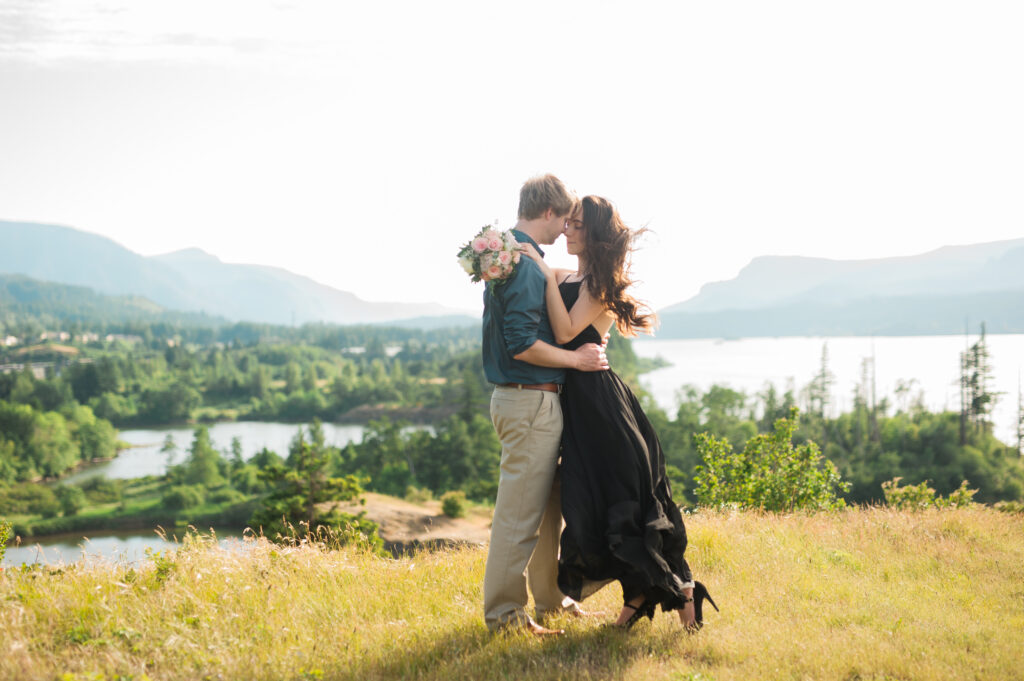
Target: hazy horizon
[
  {"x": 360, "y": 146},
  {"x": 452, "y": 309}
]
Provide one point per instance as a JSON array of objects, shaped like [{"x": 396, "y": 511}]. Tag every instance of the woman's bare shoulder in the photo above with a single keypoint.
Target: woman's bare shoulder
[{"x": 561, "y": 274}]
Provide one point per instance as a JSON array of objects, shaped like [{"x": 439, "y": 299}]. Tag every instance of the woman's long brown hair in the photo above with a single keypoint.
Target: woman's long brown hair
[{"x": 608, "y": 244}]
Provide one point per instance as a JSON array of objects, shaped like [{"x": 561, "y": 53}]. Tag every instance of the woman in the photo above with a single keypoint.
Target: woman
[{"x": 620, "y": 520}]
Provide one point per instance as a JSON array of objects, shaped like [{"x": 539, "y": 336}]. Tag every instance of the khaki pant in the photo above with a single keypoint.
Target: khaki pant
[{"x": 527, "y": 513}]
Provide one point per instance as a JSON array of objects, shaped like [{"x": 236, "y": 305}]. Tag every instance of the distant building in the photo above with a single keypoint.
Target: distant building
[
  {"x": 38, "y": 369},
  {"x": 9, "y": 341},
  {"x": 131, "y": 340}
]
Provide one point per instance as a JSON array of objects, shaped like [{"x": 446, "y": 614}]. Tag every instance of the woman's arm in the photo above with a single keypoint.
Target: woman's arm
[{"x": 567, "y": 324}]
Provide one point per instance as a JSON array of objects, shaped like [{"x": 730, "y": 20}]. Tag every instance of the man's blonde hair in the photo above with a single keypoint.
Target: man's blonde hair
[{"x": 543, "y": 192}]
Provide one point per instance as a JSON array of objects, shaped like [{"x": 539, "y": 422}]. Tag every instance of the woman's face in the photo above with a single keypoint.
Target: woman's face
[{"x": 575, "y": 234}]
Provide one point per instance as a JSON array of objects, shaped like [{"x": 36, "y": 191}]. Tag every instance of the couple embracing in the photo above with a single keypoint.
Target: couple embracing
[{"x": 555, "y": 397}]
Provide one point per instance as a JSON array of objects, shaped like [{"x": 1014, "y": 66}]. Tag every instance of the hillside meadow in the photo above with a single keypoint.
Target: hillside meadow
[{"x": 860, "y": 594}]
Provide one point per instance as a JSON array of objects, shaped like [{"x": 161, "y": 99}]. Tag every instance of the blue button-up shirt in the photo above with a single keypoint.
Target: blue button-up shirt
[{"x": 515, "y": 317}]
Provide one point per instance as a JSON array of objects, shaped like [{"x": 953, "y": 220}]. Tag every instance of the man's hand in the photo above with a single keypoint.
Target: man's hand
[{"x": 590, "y": 357}]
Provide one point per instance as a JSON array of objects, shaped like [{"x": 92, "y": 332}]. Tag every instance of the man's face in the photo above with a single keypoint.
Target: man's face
[{"x": 553, "y": 226}]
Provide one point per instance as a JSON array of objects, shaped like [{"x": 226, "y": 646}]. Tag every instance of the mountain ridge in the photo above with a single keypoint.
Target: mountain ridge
[
  {"x": 936, "y": 292},
  {"x": 23, "y": 297},
  {"x": 192, "y": 280},
  {"x": 773, "y": 280}
]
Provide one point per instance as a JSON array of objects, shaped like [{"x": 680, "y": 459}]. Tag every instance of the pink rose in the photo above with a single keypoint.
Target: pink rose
[
  {"x": 494, "y": 272},
  {"x": 495, "y": 244},
  {"x": 491, "y": 234},
  {"x": 504, "y": 257},
  {"x": 479, "y": 244}
]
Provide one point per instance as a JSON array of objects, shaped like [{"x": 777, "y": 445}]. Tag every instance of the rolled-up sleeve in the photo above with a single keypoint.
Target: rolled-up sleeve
[{"x": 524, "y": 302}]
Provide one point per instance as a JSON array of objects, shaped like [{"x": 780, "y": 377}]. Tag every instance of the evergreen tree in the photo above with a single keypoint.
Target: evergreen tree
[
  {"x": 1020, "y": 419},
  {"x": 169, "y": 449},
  {"x": 292, "y": 377},
  {"x": 203, "y": 464},
  {"x": 237, "y": 461},
  {"x": 309, "y": 378},
  {"x": 295, "y": 505},
  {"x": 977, "y": 398},
  {"x": 819, "y": 392}
]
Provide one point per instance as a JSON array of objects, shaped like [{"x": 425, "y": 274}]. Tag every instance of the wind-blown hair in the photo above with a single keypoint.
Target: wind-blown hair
[{"x": 608, "y": 242}]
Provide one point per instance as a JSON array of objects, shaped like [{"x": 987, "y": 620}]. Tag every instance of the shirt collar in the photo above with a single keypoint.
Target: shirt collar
[{"x": 524, "y": 237}]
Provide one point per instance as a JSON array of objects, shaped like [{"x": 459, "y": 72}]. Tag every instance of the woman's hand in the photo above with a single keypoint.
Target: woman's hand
[{"x": 530, "y": 252}]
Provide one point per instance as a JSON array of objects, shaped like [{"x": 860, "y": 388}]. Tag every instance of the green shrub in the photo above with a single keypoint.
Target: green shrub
[
  {"x": 180, "y": 497},
  {"x": 102, "y": 490},
  {"x": 5, "y": 534},
  {"x": 770, "y": 473},
  {"x": 921, "y": 496},
  {"x": 29, "y": 499},
  {"x": 72, "y": 499},
  {"x": 247, "y": 479},
  {"x": 453, "y": 504},
  {"x": 1010, "y": 507},
  {"x": 418, "y": 495},
  {"x": 961, "y": 497},
  {"x": 226, "y": 495}
]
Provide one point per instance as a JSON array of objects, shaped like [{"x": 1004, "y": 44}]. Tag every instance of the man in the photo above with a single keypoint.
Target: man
[{"x": 521, "y": 359}]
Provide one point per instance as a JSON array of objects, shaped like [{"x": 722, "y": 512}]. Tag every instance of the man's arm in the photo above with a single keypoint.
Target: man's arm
[
  {"x": 589, "y": 357},
  {"x": 524, "y": 300}
]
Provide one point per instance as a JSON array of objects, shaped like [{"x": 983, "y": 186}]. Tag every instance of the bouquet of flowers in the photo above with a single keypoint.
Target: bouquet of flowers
[{"x": 490, "y": 255}]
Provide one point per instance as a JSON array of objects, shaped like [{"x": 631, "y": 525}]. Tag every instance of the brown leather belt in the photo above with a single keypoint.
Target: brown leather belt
[{"x": 549, "y": 387}]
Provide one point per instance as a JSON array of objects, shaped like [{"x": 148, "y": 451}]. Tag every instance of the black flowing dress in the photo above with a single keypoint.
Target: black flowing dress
[{"x": 620, "y": 520}]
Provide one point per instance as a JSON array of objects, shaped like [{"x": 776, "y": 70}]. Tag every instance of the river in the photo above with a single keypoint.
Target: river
[
  {"x": 748, "y": 364},
  {"x": 109, "y": 547},
  {"x": 145, "y": 458}
]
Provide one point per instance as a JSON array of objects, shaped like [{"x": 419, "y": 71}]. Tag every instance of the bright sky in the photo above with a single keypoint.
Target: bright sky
[{"x": 361, "y": 143}]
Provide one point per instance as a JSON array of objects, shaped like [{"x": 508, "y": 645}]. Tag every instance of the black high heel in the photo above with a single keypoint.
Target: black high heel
[
  {"x": 700, "y": 594},
  {"x": 645, "y": 609}
]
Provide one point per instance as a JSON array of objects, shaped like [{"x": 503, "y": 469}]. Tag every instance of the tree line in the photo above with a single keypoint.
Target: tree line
[
  {"x": 329, "y": 372},
  {"x": 46, "y": 430}
]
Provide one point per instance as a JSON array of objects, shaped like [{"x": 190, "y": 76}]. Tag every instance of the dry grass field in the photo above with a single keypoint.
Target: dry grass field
[{"x": 860, "y": 594}]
